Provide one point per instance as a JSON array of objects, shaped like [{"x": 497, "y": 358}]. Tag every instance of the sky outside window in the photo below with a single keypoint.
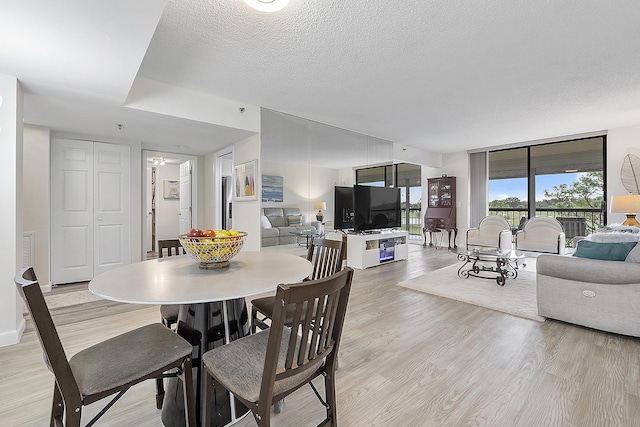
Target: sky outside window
[{"x": 500, "y": 189}]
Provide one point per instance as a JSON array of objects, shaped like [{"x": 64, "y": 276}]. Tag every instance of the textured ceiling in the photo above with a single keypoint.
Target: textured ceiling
[
  {"x": 439, "y": 75},
  {"x": 444, "y": 75}
]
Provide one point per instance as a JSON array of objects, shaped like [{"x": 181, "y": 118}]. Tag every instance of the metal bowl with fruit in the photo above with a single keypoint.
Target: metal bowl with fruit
[{"x": 213, "y": 248}]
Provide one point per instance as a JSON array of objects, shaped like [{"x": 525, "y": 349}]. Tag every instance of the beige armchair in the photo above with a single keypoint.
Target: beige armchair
[
  {"x": 541, "y": 234},
  {"x": 492, "y": 232}
]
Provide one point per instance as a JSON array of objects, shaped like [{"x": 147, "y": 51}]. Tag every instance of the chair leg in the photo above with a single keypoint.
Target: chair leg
[
  {"x": 330, "y": 391},
  {"x": 207, "y": 392},
  {"x": 74, "y": 413},
  {"x": 57, "y": 407},
  {"x": 159, "y": 392},
  {"x": 189, "y": 398},
  {"x": 254, "y": 320},
  {"x": 263, "y": 417}
]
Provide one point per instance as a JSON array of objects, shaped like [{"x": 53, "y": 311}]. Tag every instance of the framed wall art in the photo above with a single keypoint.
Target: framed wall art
[
  {"x": 272, "y": 188},
  {"x": 171, "y": 189},
  {"x": 245, "y": 180}
]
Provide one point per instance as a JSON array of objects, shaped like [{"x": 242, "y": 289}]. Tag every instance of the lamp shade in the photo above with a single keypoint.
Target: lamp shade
[
  {"x": 625, "y": 204},
  {"x": 320, "y": 206}
]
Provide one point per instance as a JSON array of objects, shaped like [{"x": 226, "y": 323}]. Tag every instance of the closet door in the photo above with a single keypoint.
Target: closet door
[
  {"x": 71, "y": 211},
  {"x": 112, "y": 244},
  {"x": 90, "y": 209}
]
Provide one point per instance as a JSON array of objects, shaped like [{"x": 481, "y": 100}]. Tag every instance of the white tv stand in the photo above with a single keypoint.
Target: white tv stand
[{"x": 371, "y": 249}]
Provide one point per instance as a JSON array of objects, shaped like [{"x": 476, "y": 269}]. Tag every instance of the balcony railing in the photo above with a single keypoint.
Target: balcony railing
[
  {"x": 415, "y": 222},
  {"x": 576, "y": 221}
]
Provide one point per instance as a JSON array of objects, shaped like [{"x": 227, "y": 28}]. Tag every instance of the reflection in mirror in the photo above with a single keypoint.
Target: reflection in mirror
[{"x": 302, "y": 161}]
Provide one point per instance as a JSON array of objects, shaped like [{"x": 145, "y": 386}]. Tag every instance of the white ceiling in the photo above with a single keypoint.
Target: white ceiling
[{"x": 439, "y": 75}]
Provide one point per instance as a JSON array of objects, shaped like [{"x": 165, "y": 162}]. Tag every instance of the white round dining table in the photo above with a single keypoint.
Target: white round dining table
[
  {"x": 212, "y": 304},
  {"x": 180, "y": 280}
]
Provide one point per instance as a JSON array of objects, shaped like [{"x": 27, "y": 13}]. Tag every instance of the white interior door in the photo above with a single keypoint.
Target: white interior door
[
  {"x": 71, "y": 211},
  {"x": 111, "y": 207},
  {"x": 185, "y": 197},
  {"x": 90, "y": 207}
]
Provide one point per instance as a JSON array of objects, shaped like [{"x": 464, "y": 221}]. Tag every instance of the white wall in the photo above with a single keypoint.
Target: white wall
[
  {"x": 406, "y": 154},
  {"x": 11, "y": 101},
  {"x": 36, "y": 194},
  {"x": 167, "y": 210},
  {"x": 246, "y": 214},
  {"x": 618, "y": 142}
]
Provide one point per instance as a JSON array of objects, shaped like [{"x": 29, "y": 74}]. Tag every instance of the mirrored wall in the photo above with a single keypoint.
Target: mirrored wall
[{"x": 306, "y": 159}]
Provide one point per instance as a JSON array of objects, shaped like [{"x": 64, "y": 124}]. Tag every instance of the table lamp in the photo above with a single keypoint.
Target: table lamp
[
  {"x": 320, "y": 206},
  {"x": 628, "y": 205}
]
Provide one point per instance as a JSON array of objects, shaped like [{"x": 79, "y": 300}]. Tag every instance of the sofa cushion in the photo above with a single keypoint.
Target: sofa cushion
[
  {"x": 604, "y": 251},
  {"x": 270, "y": 232},
  {"x": 294, "y": 220},
  {"x": 277, "y": 221},
  {"x": 264, "y": 222},
  {"x": 290, "y": 211}
]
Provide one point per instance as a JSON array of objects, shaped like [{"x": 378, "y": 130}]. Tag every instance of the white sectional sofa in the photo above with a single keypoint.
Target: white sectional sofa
[
  {"x": 596, "y": 293},
  {"x": 278, "y": 225}
]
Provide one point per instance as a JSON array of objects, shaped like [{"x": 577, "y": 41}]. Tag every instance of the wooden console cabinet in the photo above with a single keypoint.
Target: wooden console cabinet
[{"x": 369, "y": 250}]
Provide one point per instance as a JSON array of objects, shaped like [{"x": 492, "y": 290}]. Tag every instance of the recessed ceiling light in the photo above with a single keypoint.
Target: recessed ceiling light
[
  {"x": 267, "y": 5},
  {"x": 571, "y": 170}
]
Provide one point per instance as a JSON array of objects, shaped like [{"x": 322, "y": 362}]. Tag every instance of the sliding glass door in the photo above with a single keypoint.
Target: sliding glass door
[
  {"x": 407, "y": 177},
  {"x": 564, "y": 180}
]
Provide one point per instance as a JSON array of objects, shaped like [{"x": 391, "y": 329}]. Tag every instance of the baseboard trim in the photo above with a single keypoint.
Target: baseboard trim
[{"x": 12, "y": 337}]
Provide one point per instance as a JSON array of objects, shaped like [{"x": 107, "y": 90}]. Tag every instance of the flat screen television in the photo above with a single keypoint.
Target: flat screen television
[
  {"x": 375, "y": 208},
  {"x": 343, "y": 208}
]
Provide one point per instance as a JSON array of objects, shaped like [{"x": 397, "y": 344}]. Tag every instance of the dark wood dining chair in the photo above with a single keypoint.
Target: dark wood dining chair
[
  {"x": 107, "y": 368},
  {"x": 265, "y": 367},
  {"x": 326, "y": 257},
  {"x": 169, "y": 312}
]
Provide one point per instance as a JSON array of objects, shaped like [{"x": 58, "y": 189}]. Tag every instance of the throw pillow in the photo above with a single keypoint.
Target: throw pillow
[
  {"x": 634, "y": 255},
  {"x": 295, "y": 220},
  {"x": 264, "y": 222},
  {"x": 604, "y": 251},
  {"x": 619, "y": 228},
  {"x": 277, "y": 221},
  {"x": 613, "y": 237}
]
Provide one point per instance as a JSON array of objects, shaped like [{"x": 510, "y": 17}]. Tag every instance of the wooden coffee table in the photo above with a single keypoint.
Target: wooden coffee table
[{"x": 490, "y": 264}]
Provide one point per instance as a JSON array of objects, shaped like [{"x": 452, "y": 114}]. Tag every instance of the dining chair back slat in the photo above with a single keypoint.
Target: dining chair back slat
[
  {"x": 326, "y": 257},
  {"x": 297, "y": 348}
]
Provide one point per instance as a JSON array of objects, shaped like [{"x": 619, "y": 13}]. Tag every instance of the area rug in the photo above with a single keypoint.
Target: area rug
[
  {"x": 517, "y": 297},
  {"x": 70, "y": 298}
]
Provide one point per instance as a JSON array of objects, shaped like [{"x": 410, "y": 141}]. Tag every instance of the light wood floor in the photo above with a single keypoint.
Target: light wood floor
[{"x": 407, "y": 359}]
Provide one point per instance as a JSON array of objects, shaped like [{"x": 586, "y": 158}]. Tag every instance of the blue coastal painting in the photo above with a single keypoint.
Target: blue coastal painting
[{"x": 272, "y": 188}]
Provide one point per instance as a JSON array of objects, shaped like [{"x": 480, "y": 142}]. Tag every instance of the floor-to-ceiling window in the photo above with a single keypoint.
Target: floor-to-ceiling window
[
  {"x": 377, "y": 176},
  {"x": 408, "y": 179},
  {"x": 564, "y": 180},
  {"x": 508, "y": 184},
  {"x": 405, "y": 176}
]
